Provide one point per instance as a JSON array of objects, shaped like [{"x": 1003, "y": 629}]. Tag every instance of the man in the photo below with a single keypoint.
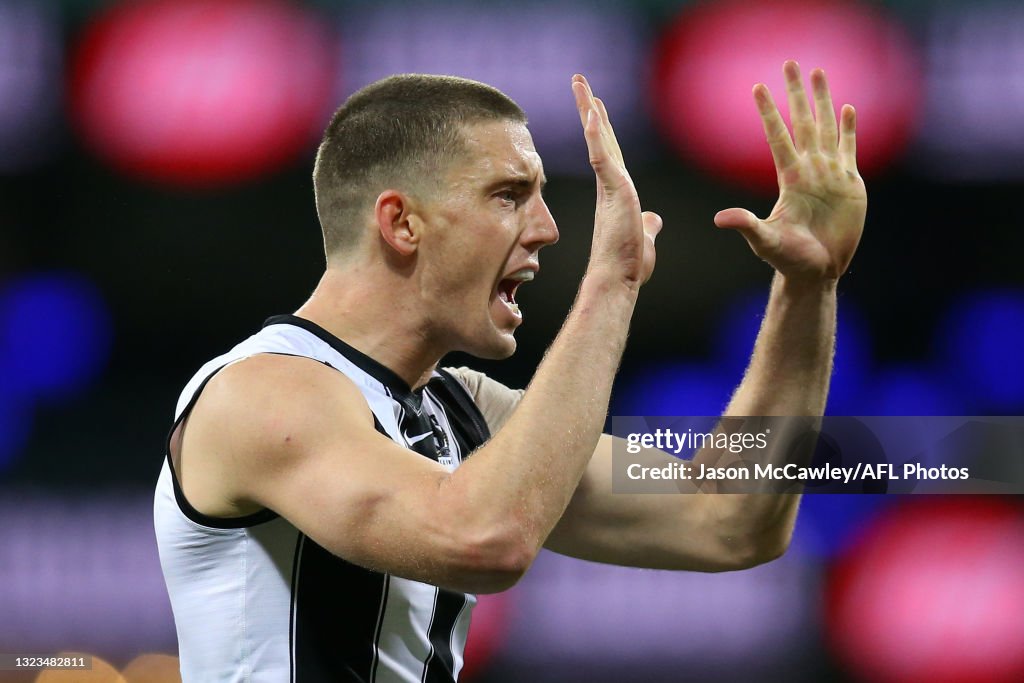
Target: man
[{"x": 318, "y": 515}]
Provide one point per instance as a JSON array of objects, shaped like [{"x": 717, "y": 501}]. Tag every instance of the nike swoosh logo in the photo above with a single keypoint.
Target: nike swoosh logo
[{"x": 416, "y": 439}]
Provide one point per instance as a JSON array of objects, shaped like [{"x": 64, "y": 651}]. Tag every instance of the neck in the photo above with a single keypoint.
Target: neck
[{"x": 347, "y": 302}]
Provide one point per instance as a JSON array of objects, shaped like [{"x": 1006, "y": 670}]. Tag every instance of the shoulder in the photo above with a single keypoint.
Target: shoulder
[
  {"x": 293, "y": 382},
  {"x": 263, "y": 418},
  {"x": 266, "y": 402},
  {"x": 495, "y": 400}
]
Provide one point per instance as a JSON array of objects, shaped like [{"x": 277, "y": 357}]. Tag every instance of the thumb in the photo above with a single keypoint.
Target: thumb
[
  {"x": 652, "y": 223},
  {"x": 748, "y": 225},
  {"x": 736, "y": 219}
]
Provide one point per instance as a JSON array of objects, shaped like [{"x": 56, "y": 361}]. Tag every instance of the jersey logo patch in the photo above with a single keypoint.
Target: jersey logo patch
[{"x": 417, "y": 438}]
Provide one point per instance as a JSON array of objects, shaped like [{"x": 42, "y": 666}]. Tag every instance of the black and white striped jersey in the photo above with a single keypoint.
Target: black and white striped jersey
[{"x": 254, "y": 599}]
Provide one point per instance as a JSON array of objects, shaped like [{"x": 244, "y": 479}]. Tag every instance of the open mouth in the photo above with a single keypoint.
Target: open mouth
[{"x": 508, "y": 286}]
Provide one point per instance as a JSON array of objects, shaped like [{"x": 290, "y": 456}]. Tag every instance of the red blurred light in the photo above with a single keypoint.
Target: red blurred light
[
  {"x": 933, "y": 592},
  {"x": 488, "y": 631},
  {"x": 201, "y": 92},
  {"x": 713, "y": 54}
]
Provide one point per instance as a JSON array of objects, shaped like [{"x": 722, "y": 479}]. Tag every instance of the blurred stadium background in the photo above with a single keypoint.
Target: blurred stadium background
[{"x": 156, "y": 206}]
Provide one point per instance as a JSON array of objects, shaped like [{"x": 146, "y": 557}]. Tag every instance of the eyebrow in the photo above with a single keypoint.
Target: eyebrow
[{"x": 521, "y": 183}]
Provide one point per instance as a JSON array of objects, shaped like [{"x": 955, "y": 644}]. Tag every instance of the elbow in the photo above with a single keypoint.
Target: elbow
[
  {"x": 756, "y": 549},
  {"x": 495, "y": 561},
  {"x": 751, "y": 533},
  {"x": 496, "y": 577}
]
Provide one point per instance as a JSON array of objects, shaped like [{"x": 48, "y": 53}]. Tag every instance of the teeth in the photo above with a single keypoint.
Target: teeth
[
  {"x": 511, "y": 306},
  {"x": 524, "y": 275}
]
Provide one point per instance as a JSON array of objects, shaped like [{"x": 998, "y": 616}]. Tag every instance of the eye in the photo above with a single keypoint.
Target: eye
[{"x": 509, "y": 197}]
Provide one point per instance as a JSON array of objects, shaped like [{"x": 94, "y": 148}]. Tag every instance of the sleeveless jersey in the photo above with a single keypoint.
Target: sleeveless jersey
[{"x": 254, "y": 599}]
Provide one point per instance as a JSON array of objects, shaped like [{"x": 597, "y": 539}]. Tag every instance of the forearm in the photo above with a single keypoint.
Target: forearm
[
  {"x": 791, "y": 364},
  {"x": 788, "y": 376},
  {"x": 809, "y": 237},
  {"x": 524, "y": 477},
  {"x": 514, "y": 490}
]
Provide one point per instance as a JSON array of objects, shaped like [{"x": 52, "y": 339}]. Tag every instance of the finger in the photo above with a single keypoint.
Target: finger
[
  {"x": 824, "y": 112},
  {"x": 747, "y": 224},
  {"x": 775, "y": 129},
  {"x": 595, "y": 102},
  {"x": 597, "y": 149},
  {"x": 848, "y": 136},
  {"x": 736, "y": 219},
  {"x": 601, "y": 144},
  {"x": 592, "y": 134},
  {"x": 652, "y": 224},
  {"x": 586, "y": 104},
  {"x": 613, "y": 142},
  {"x": 607, "y": 130},
  {"x": 799, "y": 109},
  {"x": 582, "y": 97},
  {"x": 580, "y": 78}
]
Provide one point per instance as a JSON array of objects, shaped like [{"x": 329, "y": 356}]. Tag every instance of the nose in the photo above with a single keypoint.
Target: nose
[{"x": 541, "y": 229}]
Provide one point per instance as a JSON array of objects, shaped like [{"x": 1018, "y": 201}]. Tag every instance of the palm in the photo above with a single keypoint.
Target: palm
[
  {"x": 816, "y": 224},
  {"x": 817, "y": 231}
]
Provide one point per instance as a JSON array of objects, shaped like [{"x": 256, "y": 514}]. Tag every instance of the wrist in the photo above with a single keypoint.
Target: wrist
[
  {"x": 605, "y": 289},
  {"x": 804, "y": 287}
]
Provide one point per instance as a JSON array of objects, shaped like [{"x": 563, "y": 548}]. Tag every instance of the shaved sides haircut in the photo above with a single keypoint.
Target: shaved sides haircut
[{"x": 401, "y": 132}]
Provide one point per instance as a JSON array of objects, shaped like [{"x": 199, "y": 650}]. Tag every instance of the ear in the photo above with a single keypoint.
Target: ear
[{"x": 396, "y": 223}]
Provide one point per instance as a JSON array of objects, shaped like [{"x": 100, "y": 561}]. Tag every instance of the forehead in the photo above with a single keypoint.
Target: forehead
[{"x": 496, "y": 150}]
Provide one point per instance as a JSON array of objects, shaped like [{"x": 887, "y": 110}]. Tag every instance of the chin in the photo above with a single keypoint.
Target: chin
[
  {"x": 497, "y": 345},
  {"x": 495, "y": 351}
]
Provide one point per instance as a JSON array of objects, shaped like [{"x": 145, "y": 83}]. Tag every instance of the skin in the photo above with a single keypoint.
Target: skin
[
  {"x": 289, "y": 434},
  {"x": 809, "y": 238},
  {"x": 492, "y": 223}
]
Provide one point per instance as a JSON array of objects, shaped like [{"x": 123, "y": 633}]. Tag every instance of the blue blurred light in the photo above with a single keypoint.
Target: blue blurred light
[
  {"x": 15, "y": 425},
  {"x": 55, "y": 335},
  {"x": 913, "y": 391},
  {"x": 984, "y": 347},
  {"x": 673, "y": 388},
  {"x": 829, "y": 523},
  {"x": 739, "y": 327}
]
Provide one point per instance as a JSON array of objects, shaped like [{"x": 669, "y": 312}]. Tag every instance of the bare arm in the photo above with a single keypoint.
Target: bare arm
[
  {"x": 809, "y": 238},
  {"x": 293, "y": 436}
]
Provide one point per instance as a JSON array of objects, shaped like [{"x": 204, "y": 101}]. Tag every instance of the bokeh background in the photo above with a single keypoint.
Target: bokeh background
[{"x": 156, "y": 205}]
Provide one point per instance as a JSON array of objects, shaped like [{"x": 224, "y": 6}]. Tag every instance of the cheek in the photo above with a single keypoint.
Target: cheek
[
  {"x": 462, "y": 277},
  {"x": 473, "y": 254}
]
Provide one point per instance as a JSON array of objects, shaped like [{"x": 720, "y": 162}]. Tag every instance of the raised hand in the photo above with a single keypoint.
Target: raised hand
[
  {"x": 818, "y": 219},
  {"x": 623, "y": 243}
]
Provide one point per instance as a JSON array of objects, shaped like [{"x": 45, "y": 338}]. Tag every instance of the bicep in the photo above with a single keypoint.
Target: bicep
[
  {"x": 362, "y": 497},
  {"x": 667, "y": 530},
  {"x": 313, "y": 455}
]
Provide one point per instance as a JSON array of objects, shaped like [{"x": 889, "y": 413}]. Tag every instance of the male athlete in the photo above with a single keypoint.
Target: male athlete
[{"x": 331, "y": 499}]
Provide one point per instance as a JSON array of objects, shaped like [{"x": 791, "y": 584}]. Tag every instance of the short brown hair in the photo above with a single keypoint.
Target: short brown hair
[{"x": 399, "y": 131}]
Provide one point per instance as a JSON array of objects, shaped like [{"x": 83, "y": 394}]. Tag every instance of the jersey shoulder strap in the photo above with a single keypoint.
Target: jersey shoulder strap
[{"x": 456, "y": 396}]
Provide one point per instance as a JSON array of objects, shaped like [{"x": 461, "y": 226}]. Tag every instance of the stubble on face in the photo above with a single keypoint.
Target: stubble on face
[{"x": 477, "y": 222}]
